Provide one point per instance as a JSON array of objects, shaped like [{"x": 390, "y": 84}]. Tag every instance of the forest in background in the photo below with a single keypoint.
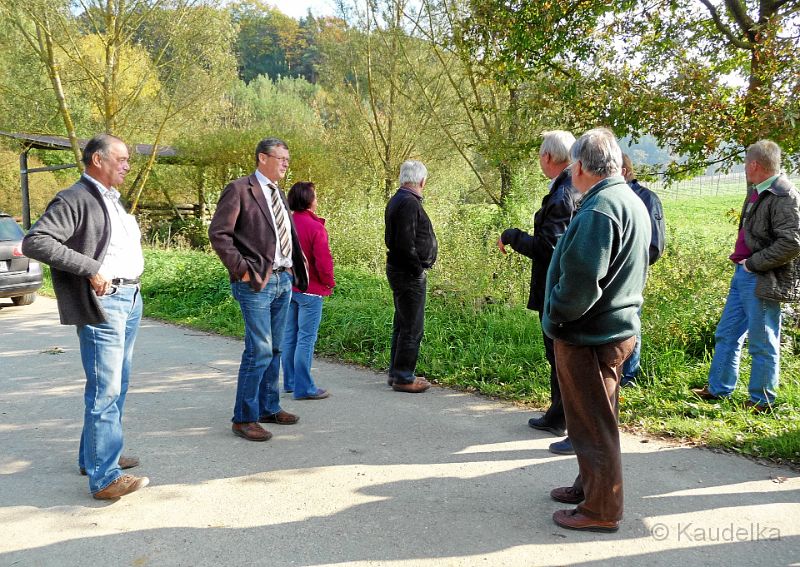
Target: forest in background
[{"x": 465, "y": 85}]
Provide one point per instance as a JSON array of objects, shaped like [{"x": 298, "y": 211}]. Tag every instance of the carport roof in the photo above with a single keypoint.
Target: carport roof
[{"x": 42, "y": 142}]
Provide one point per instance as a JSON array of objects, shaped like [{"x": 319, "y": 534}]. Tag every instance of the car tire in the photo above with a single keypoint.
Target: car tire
[{"x": 26, "y": 299}]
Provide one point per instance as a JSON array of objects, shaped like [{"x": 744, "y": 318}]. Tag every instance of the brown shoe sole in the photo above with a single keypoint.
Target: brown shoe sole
[
  {"x": 244, "y": 435},
  {"x": 416, "y": 387},
  {"x": 122, "y": 486},
  {"x": 565, "y": 519}
]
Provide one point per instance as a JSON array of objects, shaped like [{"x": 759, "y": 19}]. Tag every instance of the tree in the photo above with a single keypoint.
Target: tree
[
  {"x": 364, "y": 71},
  {"x": 722, "y": 76}
]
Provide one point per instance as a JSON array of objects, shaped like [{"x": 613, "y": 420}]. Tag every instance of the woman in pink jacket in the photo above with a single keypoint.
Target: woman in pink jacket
[{"x": 305, "y": 310}]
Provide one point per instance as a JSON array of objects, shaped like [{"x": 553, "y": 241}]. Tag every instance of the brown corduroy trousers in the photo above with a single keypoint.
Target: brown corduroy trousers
[{"x": 589, "y": 380}]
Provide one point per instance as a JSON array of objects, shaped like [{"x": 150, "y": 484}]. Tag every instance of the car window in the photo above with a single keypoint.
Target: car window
[{"x": 9, "y": 229}]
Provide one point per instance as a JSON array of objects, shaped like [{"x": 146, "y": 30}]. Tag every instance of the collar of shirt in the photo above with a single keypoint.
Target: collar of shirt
[
  {"x": 766, "y": 183},
  {"x": 263, "y": 180},
  {"x": 111, "y": 193}
]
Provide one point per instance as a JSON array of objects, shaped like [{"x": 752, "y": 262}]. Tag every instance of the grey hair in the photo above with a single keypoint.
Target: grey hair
[
  {"x": 266, "y": 145},
  {"x": 99, "y": 144},
  {"x": 598, "y": 152},
  {"x": 557, "y": 143},
  {"x": 413, "y": 172},
  {"x": 765, "y": 153}
]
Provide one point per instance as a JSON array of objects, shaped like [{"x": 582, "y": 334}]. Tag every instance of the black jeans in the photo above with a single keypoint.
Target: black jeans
[
  {"x": 409, "y": 321},
  {"x": 554, "y": 416}
]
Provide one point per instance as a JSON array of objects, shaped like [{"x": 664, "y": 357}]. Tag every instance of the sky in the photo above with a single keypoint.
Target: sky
[{"x": 299, "y": 8}]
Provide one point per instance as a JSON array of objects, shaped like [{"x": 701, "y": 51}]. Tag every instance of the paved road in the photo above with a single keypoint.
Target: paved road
[{"x": 368, "y": 477}]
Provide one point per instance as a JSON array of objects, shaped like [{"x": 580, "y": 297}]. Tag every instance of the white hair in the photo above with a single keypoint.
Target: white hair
[
  {"x": 413, "y": 172},
  {"x": 557, "y": 143},
  {"x": 765, "y": 153},
  {"x": 598, "y": 152}
]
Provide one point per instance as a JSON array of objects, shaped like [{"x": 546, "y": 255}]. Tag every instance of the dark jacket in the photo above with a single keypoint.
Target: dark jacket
[
  {"x": 549, "y": 223},
  {"x": 658, "y": 237},
  {"x": 72, "y": 237},
  {"x": 314, "y": 241},
  {"x": 242, "y": 234},
  {"x": 772, "y": 233},
  {"x": 599, "y": 267},
  {"x": 410, "y": 240}
]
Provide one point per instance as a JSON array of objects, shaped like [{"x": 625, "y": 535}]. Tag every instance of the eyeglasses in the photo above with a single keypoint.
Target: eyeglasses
[{"x": 280, "y": 159}]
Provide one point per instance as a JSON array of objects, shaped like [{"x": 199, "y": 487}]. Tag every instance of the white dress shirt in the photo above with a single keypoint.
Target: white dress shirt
[{"x": 124, "y": 258}]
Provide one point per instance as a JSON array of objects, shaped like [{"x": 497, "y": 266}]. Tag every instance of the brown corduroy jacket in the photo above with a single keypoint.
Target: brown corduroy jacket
[{"x": 242, "y": 234}]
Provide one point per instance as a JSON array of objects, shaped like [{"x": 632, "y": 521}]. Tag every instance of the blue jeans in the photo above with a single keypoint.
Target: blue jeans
[
  {"x": 302, "y": 325},
  {"x": 264, "y": 313},
  {"x": 106, "y": 354},
  {"x": 630, "y": 370},
  {"x": 745, "y": 315}
]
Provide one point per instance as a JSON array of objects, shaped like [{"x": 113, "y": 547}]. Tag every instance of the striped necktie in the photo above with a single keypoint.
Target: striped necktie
[{"x": 281, "y": 226}]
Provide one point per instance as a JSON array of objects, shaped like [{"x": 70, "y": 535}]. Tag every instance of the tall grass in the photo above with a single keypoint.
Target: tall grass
[{"x": 479, "y": 336}]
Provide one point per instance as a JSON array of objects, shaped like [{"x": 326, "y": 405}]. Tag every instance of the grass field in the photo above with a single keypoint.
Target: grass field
[{"x": 494, "y": 347}]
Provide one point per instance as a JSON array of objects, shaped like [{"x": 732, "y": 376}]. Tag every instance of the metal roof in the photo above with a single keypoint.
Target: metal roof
[{"x": 42, "y": 142}]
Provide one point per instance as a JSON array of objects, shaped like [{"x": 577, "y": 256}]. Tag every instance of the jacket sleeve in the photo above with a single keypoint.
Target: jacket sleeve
[
  {"x": 658, "y": 238},
  {"x": 221, "y": 232},
  {"x": 322, "y": 258},
  {"x": 47, "y": 241},
  {"x": 786, "y": 244},
  {"x": 556, "y": 216}
]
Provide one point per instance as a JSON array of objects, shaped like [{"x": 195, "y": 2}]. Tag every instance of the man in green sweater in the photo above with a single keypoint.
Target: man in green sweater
[{"x": 592, "y": 301}]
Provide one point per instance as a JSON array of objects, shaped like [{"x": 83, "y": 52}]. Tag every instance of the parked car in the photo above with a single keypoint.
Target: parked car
[{"x": 20, "y": 277}]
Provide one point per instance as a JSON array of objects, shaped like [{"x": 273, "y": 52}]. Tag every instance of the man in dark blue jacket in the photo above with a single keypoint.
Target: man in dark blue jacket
[
  {"x": 630, "y": 371},
  {"x": 549, "y": 223},
  {"x": 411, "y": 249}
]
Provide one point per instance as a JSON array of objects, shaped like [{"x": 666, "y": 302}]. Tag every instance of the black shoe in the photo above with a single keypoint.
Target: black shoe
[{"x": 542, "y": 425}]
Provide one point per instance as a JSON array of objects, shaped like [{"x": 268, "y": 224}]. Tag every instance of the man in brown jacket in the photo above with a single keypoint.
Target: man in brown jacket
[
  {"x": 767, "y": 271},
  {"x": 253, "y": 234}
]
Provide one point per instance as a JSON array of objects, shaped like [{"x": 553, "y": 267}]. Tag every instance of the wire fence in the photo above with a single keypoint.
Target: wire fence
[{"x": 706, "y": 185}]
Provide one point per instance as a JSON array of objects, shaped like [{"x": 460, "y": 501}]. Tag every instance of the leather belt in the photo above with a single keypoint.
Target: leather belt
[
  {"x": 279, "y": 269},
  {"x": 124, "y": 281}
]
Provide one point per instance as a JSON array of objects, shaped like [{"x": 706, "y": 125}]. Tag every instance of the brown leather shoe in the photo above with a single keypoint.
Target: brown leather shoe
[
  {"x": 574, "y": 520},
  {"x": 704, "y": 394},
  {"x": 567, "y": 495},
  {"x": 281, "y": 418},
  {"x": 417, "y": 386},
  {"x": 124, "y": 463},
  {"x": 251, "y": 431},
  {"x": 125, "y": 484}
]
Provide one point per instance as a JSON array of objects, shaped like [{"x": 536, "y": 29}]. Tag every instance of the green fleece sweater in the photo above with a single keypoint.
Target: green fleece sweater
[{"x": 599, "y": 267}]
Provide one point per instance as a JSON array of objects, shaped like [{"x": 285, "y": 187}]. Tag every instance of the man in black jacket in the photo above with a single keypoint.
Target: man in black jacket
[
  {"x": 549, "y": 223},
  {"x": 412, "y": 249}
]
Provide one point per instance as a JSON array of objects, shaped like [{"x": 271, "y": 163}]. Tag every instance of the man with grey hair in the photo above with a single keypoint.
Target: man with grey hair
[
  {"x": 591, "y": 311},
  {"x": 766, "y": 260},
  {"x": 94, "y": 250},
  {"x": 412, "y": 249},
  {"x": 549, "y": 223}
]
